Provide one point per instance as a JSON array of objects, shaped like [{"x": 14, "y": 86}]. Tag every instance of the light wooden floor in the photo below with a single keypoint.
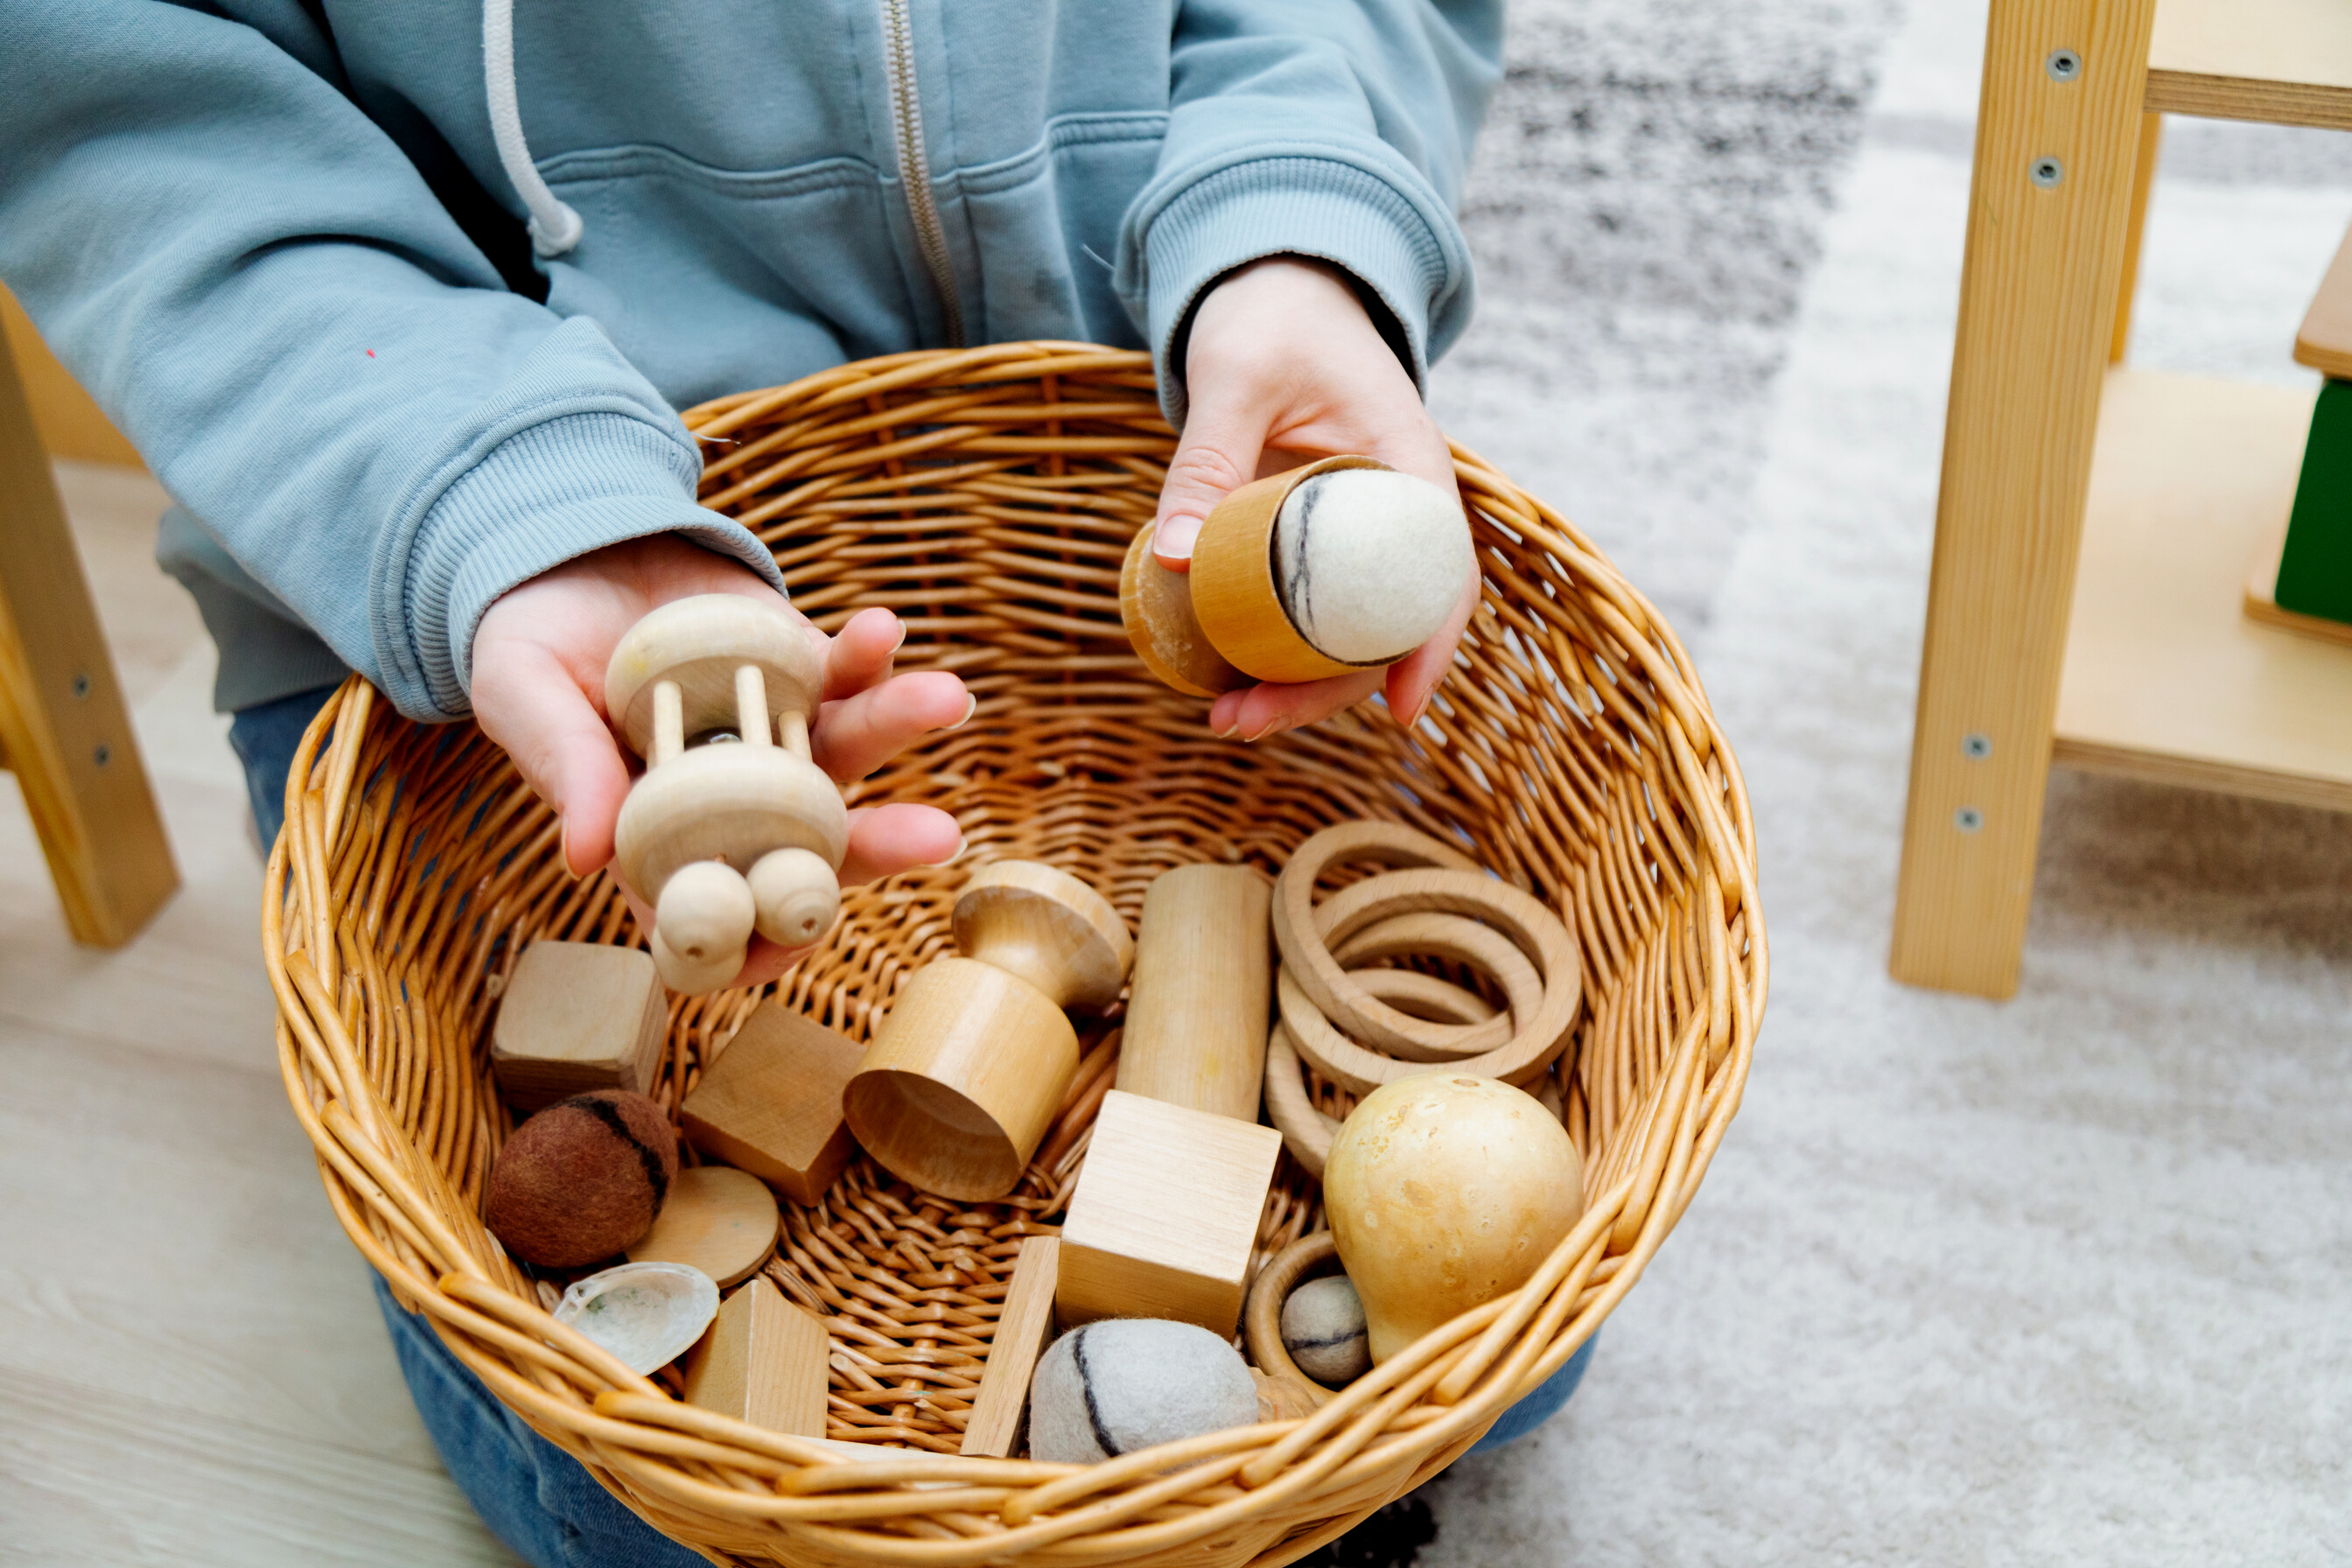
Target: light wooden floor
[{"x": 192, "y": 1369}]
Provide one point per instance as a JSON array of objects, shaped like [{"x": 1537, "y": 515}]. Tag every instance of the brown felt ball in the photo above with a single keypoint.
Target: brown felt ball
[{"x": 583, "y": 1179}]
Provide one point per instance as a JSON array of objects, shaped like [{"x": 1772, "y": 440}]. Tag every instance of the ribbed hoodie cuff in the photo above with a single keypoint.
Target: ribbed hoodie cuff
[
  {"x": 547, "y": 493},
  {"x": 1323, "y": 209}
]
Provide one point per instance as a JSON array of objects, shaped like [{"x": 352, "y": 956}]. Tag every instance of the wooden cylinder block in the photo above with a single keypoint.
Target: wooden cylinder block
[
  {"x": 1235, "y": 596},
  {"x": 961, "y": 1081},
  {"x": 1196, "y": 1017}
]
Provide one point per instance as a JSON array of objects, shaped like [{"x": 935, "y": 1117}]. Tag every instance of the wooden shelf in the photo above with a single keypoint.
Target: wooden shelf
[
  {"x": 2287, "y": 61},
  {"x": 2165, "y": 676}
]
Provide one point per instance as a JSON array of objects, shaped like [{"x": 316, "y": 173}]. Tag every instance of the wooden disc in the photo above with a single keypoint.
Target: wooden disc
[
  {"x": 1465, "y": 940},
  {"x": 1155, "y": 604},
  {"x": 718, "y": 1219},
  {"x": 736, "y": 803},
  {"x": 1262, "y": 1318},
  {"x": 700, "y": 643},
  {"x": 1307, "y": 1130},
  {"x": 1042, "y": 924}
]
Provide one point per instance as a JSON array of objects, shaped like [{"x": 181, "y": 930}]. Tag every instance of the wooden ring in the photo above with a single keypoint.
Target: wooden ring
[
  {"x": 1432, "y": 935},
  {"x": 1308, "y": 1129},
  {"x": 1302, "y": 945},
  {"x": 1520, "y": 916},
  {"x": 1262, "y": 1319}
]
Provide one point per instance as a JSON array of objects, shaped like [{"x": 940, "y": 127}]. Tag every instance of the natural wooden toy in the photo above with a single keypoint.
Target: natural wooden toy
[
  {"x": 577, "y": 1016},
  {"x": 1323, "y": 1330},
  {"x": 964, "y": 1075},
  {"x": 1307, "y": 1130},
  {"x": 1443, "y": 1191},
  {"x": 581, "y": 1179},
  {"x": 724, "y": 838},
  {"x": 1164, "y": 1216},
  {"x": 1111, "y": 1388},
  {"x": 647, "y": 1314},
  {"x": 1310, "y": 1256},
  {"x": 1341, "y": 566},
  {"x": 1284, "y": 1397},
  {"x": 1195, "y": 1032},
  {"x": 721, "y": 1221},
  {"x": 771, "y": 1104},
  {"x": 763, "y": 1362},
  {"x": 1023, "y": 1325}
]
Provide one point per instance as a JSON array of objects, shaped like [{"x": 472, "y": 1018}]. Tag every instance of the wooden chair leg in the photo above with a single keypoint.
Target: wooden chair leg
[
  {"x": 63, "y": 727},
  {"x": 2050, "y": 202},
  {"x": 2151, "y": 142}
]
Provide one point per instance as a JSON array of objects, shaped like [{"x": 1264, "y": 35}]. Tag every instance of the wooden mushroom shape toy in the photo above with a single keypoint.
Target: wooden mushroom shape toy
[
  {"x": 1341, "y": 566},
  {"x": 733, "y": 828},
  {"x": 963, "y": 1077}
]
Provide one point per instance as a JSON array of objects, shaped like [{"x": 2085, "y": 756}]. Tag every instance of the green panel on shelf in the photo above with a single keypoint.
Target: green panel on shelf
[{"x": 2314, "y": 576}]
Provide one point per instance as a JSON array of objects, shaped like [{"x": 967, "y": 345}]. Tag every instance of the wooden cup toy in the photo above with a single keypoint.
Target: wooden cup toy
[
  {"x": 965, "y": 1076},
  {"x": 725, "y": 839},
  {"x": 1344, "y": 564}
]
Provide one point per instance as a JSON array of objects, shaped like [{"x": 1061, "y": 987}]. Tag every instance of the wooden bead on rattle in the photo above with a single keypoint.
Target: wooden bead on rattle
[
  {"x": 728, "y": 831},
  {"x": 963, "y": 1077},
  {"x": 1341, "y": 566}
]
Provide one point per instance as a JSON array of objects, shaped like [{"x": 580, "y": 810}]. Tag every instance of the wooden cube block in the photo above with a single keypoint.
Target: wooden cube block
[
  {"x": 763, "y": 1362},
  {"x": 771, "y": 1104},
  {"x": 1165, "y": 1213},
  {"x": 1022, "y": 1327},
  {"x": 578, "y": 1016}
]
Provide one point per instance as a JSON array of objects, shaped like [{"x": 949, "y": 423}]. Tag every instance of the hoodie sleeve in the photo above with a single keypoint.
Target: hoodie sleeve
[
  {"x": 262, "y": 292},
  {"x": 1339, "y": 131}
]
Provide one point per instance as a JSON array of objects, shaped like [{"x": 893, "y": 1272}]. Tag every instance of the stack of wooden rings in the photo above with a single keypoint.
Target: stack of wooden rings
[{"x": 1358, "y": 1025}]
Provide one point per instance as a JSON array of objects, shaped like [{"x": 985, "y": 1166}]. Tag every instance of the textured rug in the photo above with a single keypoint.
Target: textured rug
[{"x": 2065, "y": 1279}]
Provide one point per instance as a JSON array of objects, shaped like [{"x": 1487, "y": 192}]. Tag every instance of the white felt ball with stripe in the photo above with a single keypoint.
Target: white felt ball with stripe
[
  {"x": 1368, "y": 563},
  {"x": 1124, "y": 1383},
  {"x": 1323, "y": 1330}
]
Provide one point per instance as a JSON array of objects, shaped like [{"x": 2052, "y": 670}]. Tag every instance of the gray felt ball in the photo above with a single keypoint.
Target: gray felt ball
[
  {"x": 1131, "y": 1382},
  {"x": 1323, "y": 1330},
  {"x": 1369, "y": 563}
]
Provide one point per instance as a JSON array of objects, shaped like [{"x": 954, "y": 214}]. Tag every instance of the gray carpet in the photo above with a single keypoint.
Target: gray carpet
[{"x": 2065, "y": 1279}]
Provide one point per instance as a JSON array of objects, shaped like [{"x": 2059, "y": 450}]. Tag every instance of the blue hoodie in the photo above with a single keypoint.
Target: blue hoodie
[{"x": 389, "y": 367}]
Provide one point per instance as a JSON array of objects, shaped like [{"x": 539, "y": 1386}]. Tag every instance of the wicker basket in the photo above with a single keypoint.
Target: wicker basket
[{"x": 987, "y": 497}]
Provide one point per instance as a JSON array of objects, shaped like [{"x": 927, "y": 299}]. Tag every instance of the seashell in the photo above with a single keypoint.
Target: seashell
[{"x": 647, "y": 1314}]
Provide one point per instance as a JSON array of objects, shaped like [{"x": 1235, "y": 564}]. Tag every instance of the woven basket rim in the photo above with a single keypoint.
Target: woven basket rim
[{"x": 680, "y": 1465}]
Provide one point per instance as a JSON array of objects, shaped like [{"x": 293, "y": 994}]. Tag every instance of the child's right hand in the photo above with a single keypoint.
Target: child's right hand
[{"x": 538, "y": 691}]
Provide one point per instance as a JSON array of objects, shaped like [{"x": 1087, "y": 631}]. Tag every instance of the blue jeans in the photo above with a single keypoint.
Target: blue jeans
[{"x": 533, "y": 1495}]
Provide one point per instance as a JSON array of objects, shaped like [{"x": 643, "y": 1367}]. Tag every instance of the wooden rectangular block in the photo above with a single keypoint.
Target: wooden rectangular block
[
  {"x": 763, "y": 1362},
  {"x": 1164, "y": 1216},
  {"x": 1022, "y": 1328},
  {"x": 578, "y": 1016},
  {"x": 771, "y": 1104}
]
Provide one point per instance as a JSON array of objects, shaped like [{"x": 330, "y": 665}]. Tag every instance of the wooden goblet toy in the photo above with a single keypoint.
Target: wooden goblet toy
[
  {"x": 727, "y": 831},
  {"x": 963, "y": 1077},
  {"x": 1300, "y": 577}
]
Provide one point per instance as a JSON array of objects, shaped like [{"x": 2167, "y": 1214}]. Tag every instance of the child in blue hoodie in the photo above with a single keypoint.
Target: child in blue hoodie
[{"x": 399, "y": 300}]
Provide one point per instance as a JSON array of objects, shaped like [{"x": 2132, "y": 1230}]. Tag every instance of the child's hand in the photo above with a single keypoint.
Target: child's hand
[
  {"x": 538, "y": 691},
  {"x": 1284, "y": 367}
]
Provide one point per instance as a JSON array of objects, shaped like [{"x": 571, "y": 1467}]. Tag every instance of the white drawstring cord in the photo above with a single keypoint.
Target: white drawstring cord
[{"x": 555, "y": 226}]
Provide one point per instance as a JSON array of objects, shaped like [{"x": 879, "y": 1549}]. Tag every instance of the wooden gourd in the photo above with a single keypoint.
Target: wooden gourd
[
  {"x": 724, "y": 838},
  {"x": 963, "y": 1077},
  {"x": 1196, "y": 1014}
]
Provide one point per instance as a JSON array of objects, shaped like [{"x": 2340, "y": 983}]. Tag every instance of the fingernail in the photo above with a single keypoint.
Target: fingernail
[
  {"x": 1273, "y": 727},
  {"x": 1226, "y": 731},
  {"x": 961, "y": 845},
  {"x": 971, "y": 707},
  {"x": 1174, "y": 538},
  {"x": 1412, "y": 719},
  {"x": 902, "y": 636},
  {"x": 564, "y": 848}
]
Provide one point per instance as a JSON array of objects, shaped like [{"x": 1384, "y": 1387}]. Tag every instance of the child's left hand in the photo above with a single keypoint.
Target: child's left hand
[{"x": 538, "y": 691}]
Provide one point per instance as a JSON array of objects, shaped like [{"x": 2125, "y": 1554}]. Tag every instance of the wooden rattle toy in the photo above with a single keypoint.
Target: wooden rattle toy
[
  {"x": 1165, "y": 1215},
  {"x": 728, "y": 830},
  {"x": 1023, "y": 1324},
  {"x": 1444, "y": 1191},
  {"x": 763, "y": 1362},
  {"x": 1344, "y": 564},
  {"x": 965, "y": 1076},
  {"x": 581, "y": 1179},
  {"x": 721, "y": 1221},
  {"x": 771, "y": 1104},
  {"x": 1195, "y": 1032},
  {"x": 575, "y": 1017}
]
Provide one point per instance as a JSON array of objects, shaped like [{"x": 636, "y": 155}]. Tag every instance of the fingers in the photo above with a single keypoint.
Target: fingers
[
  {"x": 1258, "y": 711},
  {"x": 529, "y": 703},
  {"x": 858, "y": 734},
  {"x": 885, "y": 841},
  {"x": 1412, "y": 679},
  {"x": 859, "y": 654},
  {"x": 1218, "y": 453}
]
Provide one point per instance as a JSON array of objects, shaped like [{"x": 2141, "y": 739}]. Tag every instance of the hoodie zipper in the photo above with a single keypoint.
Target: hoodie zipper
[{"x": 914, "y": 163}]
